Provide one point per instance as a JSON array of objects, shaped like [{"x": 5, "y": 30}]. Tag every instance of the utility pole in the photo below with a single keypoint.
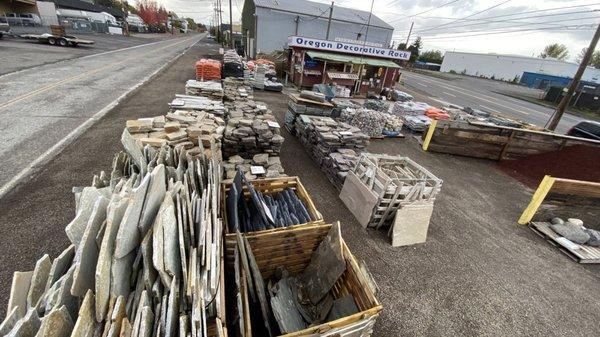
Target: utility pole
[
  {"x": 297, "y": 19},
  {"x": 329, "y": 22},
  {"x": 409, "y": 32},
  {"x": 230, "y": 25},
  {"x": 560, "y": 109}
]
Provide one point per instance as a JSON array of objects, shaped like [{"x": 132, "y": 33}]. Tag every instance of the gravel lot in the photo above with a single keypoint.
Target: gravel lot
[{"x": 478, "y": 274}]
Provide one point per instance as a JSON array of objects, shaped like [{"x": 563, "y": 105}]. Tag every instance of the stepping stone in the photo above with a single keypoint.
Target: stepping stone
[
  {"x": 154, "y": 197},
  {"x": 128, "y": 236},
  {"x": 88, "y": 199},
  {"x": 18, "y": 292},
  {"x": 39, "y": 279}
]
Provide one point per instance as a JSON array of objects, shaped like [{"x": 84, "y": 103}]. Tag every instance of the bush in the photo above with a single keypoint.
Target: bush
[{"x": 452, "y": 71}]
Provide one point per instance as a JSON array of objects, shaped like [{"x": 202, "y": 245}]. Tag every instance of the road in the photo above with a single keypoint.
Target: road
[
  {"x": 41, "y": 106},
  {"x": 480, "y": 93}
]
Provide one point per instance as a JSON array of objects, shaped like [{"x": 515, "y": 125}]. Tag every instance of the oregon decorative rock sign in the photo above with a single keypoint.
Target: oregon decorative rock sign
[{"x": 344, "y": 47}]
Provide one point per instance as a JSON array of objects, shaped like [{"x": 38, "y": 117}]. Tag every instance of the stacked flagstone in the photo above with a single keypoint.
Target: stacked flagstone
[
  {"x": 337, "y": 164},
  {"x": 197, "y": 131},
  {"x": 237, "y": 89},
  {"x": 144, "y": 258},
  {"x": 210, "y": 89},
  {"x": 271, "y": 165},
  {"x": 251, "y": 129},
  {"x": 186, "y": 102},
  {"x": 323, "y": 135}
]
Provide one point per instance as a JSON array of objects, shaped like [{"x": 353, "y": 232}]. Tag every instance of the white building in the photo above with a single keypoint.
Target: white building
[
  {"x": 507, "y": 67},
  {"x": 267, "y": 24}
]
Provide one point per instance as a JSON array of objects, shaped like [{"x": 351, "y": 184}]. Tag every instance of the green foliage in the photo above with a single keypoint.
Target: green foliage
[
  {"x": 432, "y": 56},
  {"x": 191, "y": 24},
  {"x": 594, "y": 61},
  {"x": 402, "y": 46},
  {"x": 555, "y": 50},
  {"x": 516, "y": 79},
  {"x": 464, "y": 72},
  {"x": 452, "y": 71}
]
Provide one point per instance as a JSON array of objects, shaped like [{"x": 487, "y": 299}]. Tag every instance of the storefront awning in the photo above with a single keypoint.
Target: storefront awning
[{"x": 351, "y": 59}]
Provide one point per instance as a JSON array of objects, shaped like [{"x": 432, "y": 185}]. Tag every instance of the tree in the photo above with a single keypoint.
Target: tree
[
  {"x": 151, "y": 12},
  {"x": 555, "y": 50},
  {"x": 402, "y": 46},
  {"x": 191, "y": 24},
  {"x": 414, "y": 49},
  {"x": 432, "y": 56},
  {"x": 594, "y": 60}
]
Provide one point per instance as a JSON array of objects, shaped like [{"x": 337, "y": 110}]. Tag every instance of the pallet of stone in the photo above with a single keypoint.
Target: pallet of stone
[
  {"x": 251, "y": 131},
  {"x": 196, "y": 131},
  {"x": 323, "y": 135},
  {"x": 236, "y": 89},
  {"x": 232, "y": 64},
  {"x": 580, "y": 253},
  {"x": 387, "y": 183},
  {"x": 207, "y": 69},
  {"x": 258, "y": 81},
  {"x": 260, "y": 166},
  {"x": 210, "y": 89},
  {"x": 145, "y": 256},
  {"x": 337, "y": 165},
  {"x": 371, "y": 122},
  {"x": 187, "y": 102},
  {"x": 302, "y": 281},
  {"x": 265, "y": 204}
]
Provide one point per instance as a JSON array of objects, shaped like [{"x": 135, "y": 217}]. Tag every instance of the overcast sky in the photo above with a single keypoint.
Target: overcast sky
[{"x": 462, "y": 25}]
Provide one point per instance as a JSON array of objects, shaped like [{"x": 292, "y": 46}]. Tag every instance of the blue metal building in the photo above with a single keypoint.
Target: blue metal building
[{"x": 543, "y": 81}]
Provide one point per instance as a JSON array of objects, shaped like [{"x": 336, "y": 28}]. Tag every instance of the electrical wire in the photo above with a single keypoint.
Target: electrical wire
[
  {"x": 471, "y": 15},
  {"x": 427, "y": 11}
]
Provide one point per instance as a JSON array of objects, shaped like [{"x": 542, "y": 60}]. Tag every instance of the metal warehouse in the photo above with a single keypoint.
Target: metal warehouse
[
  {"x": 511, "y": 67},
  {"x": 267, "y": 24}
]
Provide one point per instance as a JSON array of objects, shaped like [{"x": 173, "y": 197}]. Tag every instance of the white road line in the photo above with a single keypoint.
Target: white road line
[
  {"x": 421, "y": 84},
  {"x": 488, "y": 108},
  {"x": 57, "y": 148},
  {"x": 439, "y": 101},
  {"x": 449, "y": 94}
]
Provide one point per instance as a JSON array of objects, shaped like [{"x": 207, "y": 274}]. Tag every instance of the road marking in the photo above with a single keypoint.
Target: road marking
[
  {"x": 34, "y": 166},
  {"x": 76, "y": 77},
  {"x": 449, "y": 94},
  {"x": 439, "y": 101},
  {"x": 421, "y": 84}
]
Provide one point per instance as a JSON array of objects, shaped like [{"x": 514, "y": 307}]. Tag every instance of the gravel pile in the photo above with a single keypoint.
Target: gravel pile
[{"x": 370, "y": 122}]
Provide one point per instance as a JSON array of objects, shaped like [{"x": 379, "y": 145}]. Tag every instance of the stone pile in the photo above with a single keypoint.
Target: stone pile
[
  {"x": 144, "y": 258},
  {"x": 251, "y": 129},
  {"x": 323, "y": 135},
  {"x": 186, "y": 102},
  {"x": 259, "y": 76},
  {"x": 370, "y": 122},
  {"x": 260, "y": 166},
  {"x": 195, "y": 131},
  {"x": 377, "y": 105},
  {"x": 393, "y": 124},
  {"x": 236, "y": 89},
  {"x": 409, "y": 108},
  {"x": 210, "y": 89},
  {"x": 337, "y": 164},
  {"x": 417, "y": 123},
  {"x": 232, "y": 64}
]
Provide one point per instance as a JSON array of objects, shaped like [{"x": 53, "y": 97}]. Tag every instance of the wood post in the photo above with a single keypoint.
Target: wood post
[
  {"x": 429, "y": 135},
  {"x": 537, "y": 199}
]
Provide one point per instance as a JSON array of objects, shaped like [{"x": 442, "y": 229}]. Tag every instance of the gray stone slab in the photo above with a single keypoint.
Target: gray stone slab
[
  {"x": 149, "y": 273},
  {"x": 326, "y": 265},
  {"x": 26, "y": 326},
  {"x": 120, "y": 276},
  {"x": 77, "y": 226},
  {"x": 60, "y": 265},
  {"x": 10, "y": 321},
  {"x": 116, "y": 210},
  {"x": 86, "y": 320},
  {"x": 131, "y": 147},
  {"x": 87, "y": 251},
  {"x": 284, "y": 307},
  {"x": 260, "y": 288},
  {"x": 342, "y": 307},
  {"x": 173, "y": 309},
  {"x": 128, "y": 236},
  {"x": 154, "y": 198},
  {"x": 57, "y": 323},
  {"x": 411, "y": 224},
  {"x": 172, "y": 259},
  {"x": 39, "y": 279},
  {"x": 18, "y": 292},
  {"x": 125, "y": 328},
  {"x": 146, "y": 322},
  {"x": 359, "y": 199}
]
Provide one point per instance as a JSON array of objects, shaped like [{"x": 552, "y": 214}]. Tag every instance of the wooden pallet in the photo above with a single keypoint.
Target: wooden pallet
[
  {"x": 585, "y": 253},
  {"x": 380, "y": 137}
]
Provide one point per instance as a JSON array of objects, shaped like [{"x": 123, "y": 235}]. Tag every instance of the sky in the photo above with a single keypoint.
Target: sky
[{"x": 520, "y": 27}]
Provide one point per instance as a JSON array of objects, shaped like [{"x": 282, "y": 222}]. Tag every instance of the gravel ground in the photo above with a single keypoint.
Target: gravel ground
[{"x": 478, "y": 274}]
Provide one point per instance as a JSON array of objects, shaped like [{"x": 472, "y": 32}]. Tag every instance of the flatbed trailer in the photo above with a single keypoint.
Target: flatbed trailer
[{"x": 55, "y": 40}]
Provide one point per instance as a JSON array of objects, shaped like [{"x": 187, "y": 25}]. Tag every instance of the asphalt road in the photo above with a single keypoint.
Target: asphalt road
[
  {"x": 484, "y": 95},
  {"x": 18, "y": 54},
  {"x": 40, "y": 106}
]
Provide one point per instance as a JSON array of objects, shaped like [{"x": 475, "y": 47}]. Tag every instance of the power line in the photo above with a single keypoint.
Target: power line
[
  {"x": 566, "y": 28},
  {"x": 471, "y": 15},
  {"x": 427, "y": 11},
  {"x": 515, "y": 20}
]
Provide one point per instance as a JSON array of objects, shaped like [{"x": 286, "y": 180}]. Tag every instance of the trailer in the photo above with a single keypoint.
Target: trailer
[{"x": 56, "y": 40}]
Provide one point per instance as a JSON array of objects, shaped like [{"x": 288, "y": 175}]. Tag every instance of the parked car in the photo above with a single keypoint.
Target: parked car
[
  {"x": 4, "y": 27},
  {"x": 24, "y": 19},
  {"x": 586, "y": 129}
]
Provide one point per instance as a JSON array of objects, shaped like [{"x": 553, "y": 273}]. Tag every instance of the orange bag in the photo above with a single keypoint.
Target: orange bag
[{"x": 207, "y": 70}]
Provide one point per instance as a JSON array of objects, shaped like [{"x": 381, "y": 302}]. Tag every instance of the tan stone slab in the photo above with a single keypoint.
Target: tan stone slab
[
  {"x": 172, "y": 126},
  {"x": 411, "y": 224},
  {"x": 359, "y": 199},
  {"x": 18, "y": 292},
  {"x": 154, "y": 142}
]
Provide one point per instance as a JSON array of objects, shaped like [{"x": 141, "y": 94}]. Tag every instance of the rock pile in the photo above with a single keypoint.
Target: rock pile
[
  {"x": 370, "y": 122},
  {"x": 337, "y": 164},
  {"x": 185, "y": 102},
  {"x": 260, "y": 166},
  {"x": 210, "y": 89},
  {"x": 195, "y": 131},
  {"x": 377, "y": 105},
  {"x": 144, "y": 258},
  {"x": 323, "y": 135},
  {"x": 232, "y": 64},
  {"x": 251, "y": 129},
  {"x": 236, "y": 89}
]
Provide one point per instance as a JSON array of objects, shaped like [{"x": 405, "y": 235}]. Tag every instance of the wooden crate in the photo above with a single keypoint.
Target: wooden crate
[
  {"x": 388, "y": 189},
  {"x": 482, "y": 140},
  {"x": 272, "y": 186},
  {"x": 293, "y": 249}
]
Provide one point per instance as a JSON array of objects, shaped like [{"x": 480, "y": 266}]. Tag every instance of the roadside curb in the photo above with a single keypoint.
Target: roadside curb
[{"x": 57, "y": 148}]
